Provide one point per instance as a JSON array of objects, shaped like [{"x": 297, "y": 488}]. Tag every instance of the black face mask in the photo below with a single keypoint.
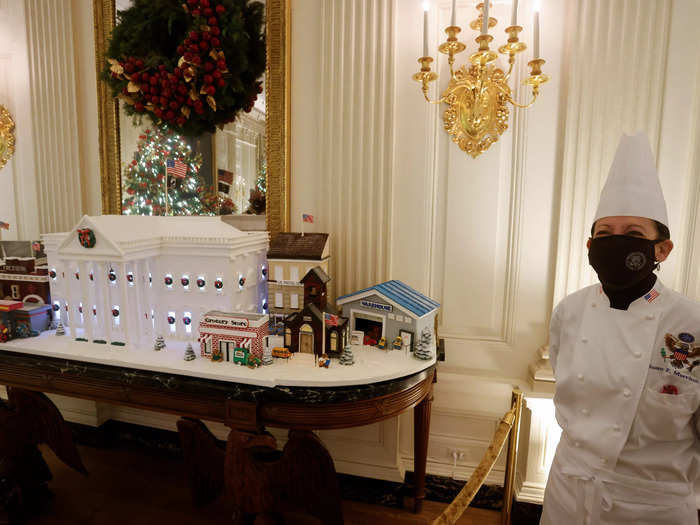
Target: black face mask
[{"x": 622, "y": 261}]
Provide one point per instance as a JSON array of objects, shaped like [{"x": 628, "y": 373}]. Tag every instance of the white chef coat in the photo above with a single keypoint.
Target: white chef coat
[{"x": 628, "y": 452}]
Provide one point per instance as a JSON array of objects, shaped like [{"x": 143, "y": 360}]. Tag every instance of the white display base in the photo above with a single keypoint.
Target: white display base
[{"x": 371, "y": 364}]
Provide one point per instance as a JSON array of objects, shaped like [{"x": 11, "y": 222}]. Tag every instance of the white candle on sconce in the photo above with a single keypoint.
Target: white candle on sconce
[
  {"x": 453, "y": 20},
  {"x": 485, "y": 21},
  {"x": 536, "y": 30},
  {"x": 426, "y": 8},
  {"x": 514, "y": 14}
]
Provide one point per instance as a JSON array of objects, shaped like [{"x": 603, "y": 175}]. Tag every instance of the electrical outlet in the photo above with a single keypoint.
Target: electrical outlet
[{"x": 456, "y": 454}]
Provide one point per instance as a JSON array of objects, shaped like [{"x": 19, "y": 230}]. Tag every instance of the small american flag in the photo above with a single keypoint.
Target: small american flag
[
  {"x": 307, "y": 218},
  {"x": 331, "y": 320},
  {"x": 651, "y": 295},
  {"x": 6, "y": 225},
  {"x": 176, "y": 168}
]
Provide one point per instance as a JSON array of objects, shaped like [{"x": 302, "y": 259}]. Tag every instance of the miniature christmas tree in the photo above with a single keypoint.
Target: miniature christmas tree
[
  {"x": 423, "y": 348},
  {"x": 189, "y": 352},
  {"x": 160, "y": 343},
  {"x": 267, "y": 356},
  {"x": 347, "y": 357},
  {"x": 60, "y": 330},
  {"x": 149, "y": 189}
]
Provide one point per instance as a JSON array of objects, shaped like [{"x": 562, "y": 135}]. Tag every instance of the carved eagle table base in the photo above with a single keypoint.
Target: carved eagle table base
[{"x": 26, "y": 420}]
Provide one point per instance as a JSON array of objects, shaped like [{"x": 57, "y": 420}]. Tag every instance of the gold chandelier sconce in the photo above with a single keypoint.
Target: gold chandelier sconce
[{"x": 478, "y": 94}]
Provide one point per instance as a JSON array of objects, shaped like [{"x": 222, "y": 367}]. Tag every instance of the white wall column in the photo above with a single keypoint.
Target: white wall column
[{"x": 105, "y": 306}]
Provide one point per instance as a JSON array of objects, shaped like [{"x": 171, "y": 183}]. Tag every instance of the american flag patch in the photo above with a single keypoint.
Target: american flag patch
[{"x": 651, "y": 295}]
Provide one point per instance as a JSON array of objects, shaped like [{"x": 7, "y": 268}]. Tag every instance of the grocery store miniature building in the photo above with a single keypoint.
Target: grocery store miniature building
[
  {"x": 290, "y": 257},
  {"x": 304, "y": 330},
  {"x": 124, "y": 278},
  {"x": 23, "y": 272},
  {"x": 389, "y": 310},
  {"x": 220, "y": 333}
]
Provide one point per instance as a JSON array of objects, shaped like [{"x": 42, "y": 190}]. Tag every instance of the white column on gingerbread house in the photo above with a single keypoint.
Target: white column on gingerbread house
[
  {"x": 154, "y": 323},
  {"x": 139, "y": 306},
  {"x": 85, "y": 300},
  {"x": 123, "y": 302},
  {"x": 105, "y": 308}
]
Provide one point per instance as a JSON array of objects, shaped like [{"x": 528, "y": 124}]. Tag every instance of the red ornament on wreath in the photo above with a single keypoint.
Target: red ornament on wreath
[
  {"x": 185, "y": 281},
  {"x": 115, "y": 312},
  {"x": 171, "y": 319},
  {"x": 112, "y": 276},
  {"x": 219, "y": 284},
  {"x": 168, "y": 280}
]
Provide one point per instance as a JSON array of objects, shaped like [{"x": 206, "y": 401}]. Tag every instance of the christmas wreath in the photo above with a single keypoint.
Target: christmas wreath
[{"x": 192, "y": 65}]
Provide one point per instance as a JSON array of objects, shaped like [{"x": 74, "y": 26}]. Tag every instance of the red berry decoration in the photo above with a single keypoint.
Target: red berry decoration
[{"x": 220, "y": 9}]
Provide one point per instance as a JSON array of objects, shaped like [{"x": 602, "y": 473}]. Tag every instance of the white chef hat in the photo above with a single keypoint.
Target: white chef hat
[{"x": 633, "y": 188}]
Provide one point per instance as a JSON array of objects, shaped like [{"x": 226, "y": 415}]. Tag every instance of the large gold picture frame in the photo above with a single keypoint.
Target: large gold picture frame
[{"x": 277, "y": 96}]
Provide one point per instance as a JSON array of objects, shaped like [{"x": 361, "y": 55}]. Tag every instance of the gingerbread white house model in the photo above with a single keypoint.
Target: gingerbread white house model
[{"x": 124, "y": 279}]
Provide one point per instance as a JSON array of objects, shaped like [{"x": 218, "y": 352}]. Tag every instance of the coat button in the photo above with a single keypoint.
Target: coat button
[
  {"x": 579, "y": 377},
  {"x": 585, "y": 411},
  {"x": 626, "y": 392}
]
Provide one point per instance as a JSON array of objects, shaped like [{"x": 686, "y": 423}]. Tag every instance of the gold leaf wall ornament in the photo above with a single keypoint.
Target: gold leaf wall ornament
[
  {"x": 7, "y": 136},
  {"x": 477, "y": 112}
]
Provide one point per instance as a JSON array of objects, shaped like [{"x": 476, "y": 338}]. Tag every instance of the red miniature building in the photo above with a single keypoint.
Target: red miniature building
[{"x": 24, "y": 275}]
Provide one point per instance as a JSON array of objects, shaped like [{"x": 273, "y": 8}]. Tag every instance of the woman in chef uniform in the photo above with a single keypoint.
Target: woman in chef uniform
[{"x": 626, "y": 358}]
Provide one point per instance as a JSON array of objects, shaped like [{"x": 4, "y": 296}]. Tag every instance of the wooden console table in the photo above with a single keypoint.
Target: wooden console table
[{"x": 241, "y": 407}]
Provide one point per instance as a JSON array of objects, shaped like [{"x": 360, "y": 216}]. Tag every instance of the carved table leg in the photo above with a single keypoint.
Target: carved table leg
[
  {"x": 204, "y": 460},
  {"x": 421, "y": 432}
]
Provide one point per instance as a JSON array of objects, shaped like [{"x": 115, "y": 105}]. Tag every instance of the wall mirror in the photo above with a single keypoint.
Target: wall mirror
[{"x": 255, "y": 144}]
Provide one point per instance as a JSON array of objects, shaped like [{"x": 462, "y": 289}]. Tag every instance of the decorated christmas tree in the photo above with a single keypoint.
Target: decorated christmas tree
[
  {"x": 189, "y": 353},
  {"x": 347, "y": 357},
  {"x": 163, "y": 179},
  {"x": 423, "y": 348},
  {"x": 159, "y": 344}
]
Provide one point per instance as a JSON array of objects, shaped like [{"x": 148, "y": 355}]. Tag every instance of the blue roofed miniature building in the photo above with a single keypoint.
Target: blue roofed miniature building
[{"x": 390, "y": 310}]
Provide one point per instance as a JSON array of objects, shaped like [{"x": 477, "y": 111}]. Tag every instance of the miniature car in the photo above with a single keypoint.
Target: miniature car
[
  {"x": 4, "y": 333},
  {"x": 368, "y": 341},
  {"x": 253, "y": 362},
  {"x": 382, "y": 343}
]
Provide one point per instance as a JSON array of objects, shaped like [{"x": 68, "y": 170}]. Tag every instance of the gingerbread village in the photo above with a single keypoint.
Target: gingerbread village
[{"x": 237, "y": 297}]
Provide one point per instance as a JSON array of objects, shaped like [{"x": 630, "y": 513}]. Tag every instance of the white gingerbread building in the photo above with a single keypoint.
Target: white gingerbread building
[{"x": 126, "y": 279}]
